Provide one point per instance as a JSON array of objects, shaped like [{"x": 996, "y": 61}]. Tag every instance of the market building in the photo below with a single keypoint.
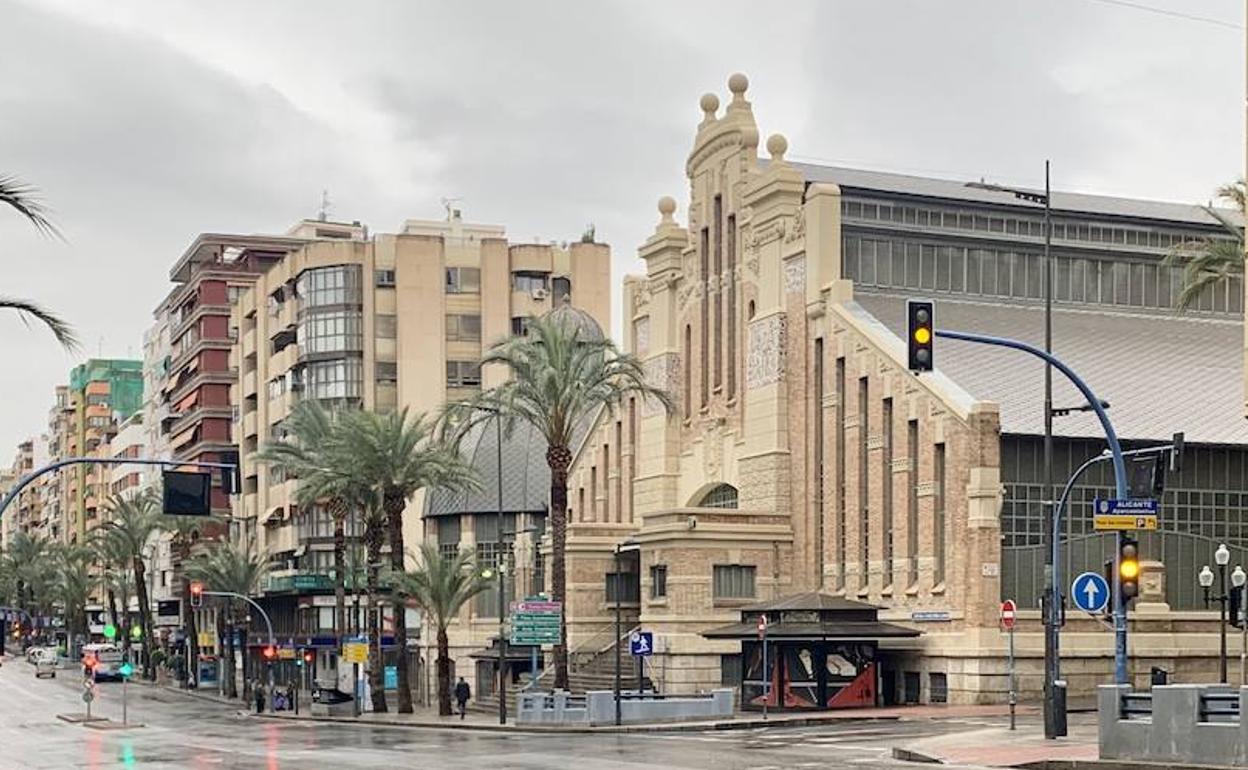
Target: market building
[{"x": 804, "y": 459}]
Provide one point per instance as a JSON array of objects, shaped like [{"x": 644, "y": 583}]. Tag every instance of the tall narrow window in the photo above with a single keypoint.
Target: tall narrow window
[
  {"x": 840, "y": 471},
  {"x": 606, "y": 482},
  {"x": 886, "y": 479},
  {"x": 593, "y": 493},
  {"x": 580, "y": 503},
  {"x": 632, "y": 452},
  {"x": 705, "y": 386},
  {"x": 718, "y": 224},
  {"x": 731, "y": 287},
  {"x": 912, "y": 499},
  {"x": 688, "y": 372},
  {"x": 619, "y": 470},
  {"x": 938, "y": 516},
  {"x": 864, "y": 478},
  {"x": 818, "y": 460}
]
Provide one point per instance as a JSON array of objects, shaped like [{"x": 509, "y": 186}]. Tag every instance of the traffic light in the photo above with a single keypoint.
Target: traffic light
[
  {"x": 110, "y": 631},
  {"x": 126, "y": 668},
  {"x": 197, "y": 593},
  {"x": 306, "y": 658},
  {"x": 1129, "y": 567},
  {"x": 270, "y": 653},
  {"x": 920, "y": 323},
  {"x": 89, "y": 662},
  {"x": 136, "y": 632}
]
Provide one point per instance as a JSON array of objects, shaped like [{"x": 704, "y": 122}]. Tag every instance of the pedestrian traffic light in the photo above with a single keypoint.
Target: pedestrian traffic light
[
  {"x": 920, "y": 323},
  {"x": 126, "y": 668},
  {"x": 197, "y": 593},
  {"x": 1129, "y": 567},
  {"x": 136, "y": 632},
  {"x": 270, "y": 653},
  {"x": 89, "y": 662}
]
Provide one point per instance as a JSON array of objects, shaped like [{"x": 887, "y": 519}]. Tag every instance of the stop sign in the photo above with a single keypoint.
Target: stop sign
[{"x": 1008, "y": 612}]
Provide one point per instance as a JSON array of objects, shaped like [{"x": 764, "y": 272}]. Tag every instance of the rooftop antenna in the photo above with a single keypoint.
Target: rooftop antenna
[
  {"x": 323, "y": 214},
  {"x": 446, "y": 204}
]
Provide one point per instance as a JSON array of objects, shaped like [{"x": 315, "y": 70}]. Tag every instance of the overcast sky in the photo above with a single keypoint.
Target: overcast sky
[{"x": 145, "y": 123}]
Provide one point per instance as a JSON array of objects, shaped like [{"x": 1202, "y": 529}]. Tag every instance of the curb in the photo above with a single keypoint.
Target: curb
[
  {"x": 679, "y": 727},
  {"x": 910, "y": 755}
]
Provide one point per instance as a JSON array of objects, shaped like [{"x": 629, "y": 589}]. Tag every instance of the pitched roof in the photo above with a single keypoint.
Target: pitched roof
[
  {"x": 809, "y": 601},
  {"x": 929, "y": 187},
  {"x": 526, "y": 477},
  {"x": 829, "y": 629},
  {"x": 1160, "y": 373}
]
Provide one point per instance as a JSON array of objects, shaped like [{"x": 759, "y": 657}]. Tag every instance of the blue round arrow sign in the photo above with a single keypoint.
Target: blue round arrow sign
[{"x": 1090, "y": 592}]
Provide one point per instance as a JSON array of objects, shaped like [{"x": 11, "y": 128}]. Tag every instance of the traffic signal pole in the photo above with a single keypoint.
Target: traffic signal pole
[
  {"x": 267, "y": 623},
  {"x": 1120, "y": 474}
]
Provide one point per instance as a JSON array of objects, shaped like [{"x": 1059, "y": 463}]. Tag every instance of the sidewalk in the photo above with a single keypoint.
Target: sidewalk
[
  {"x": 999, "y": 747},
  {"x": 428, "y": 718}
]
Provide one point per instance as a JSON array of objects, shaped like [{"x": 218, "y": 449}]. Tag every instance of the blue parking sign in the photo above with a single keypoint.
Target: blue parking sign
[{"x": 641, "y": 643}]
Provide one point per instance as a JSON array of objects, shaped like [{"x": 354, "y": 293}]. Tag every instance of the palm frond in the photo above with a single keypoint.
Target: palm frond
[
  {"x": 27, "y": 310},
  {"x": 24, "y": 199}
]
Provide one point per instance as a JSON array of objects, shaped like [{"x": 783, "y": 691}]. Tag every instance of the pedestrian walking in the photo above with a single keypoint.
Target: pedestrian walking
[
  {"x": 462, "y": 693},
  {"x": 259, "y": 691}
]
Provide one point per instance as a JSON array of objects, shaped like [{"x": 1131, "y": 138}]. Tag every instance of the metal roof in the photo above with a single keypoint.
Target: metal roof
[
  {"x": 1160, "y": 373},
  {"x": 830, "y": 629},
  {"x": 809, "y": 601},
  {"x": 1063, "y": 202},
  {"x": 526, "y": 476}
]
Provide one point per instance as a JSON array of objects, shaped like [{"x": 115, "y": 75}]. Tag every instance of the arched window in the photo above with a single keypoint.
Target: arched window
[{"x": 721, "y": 496}]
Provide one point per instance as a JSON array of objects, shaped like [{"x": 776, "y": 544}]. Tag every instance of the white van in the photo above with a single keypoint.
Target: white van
[{"x": 107, "y": 658}]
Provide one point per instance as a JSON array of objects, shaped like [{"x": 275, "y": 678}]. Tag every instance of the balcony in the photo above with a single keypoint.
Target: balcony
[
  {"x": 249, "y": 384},
  {"x": 249, "y": 425},
  {"x": 249, "y": 343}
]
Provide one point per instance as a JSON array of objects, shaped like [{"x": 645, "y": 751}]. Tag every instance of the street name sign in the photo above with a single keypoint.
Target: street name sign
[
  {"x": 355, "y": 650},
  {"x": 535, "y": 622},
  {"x": 1090, "y": 592},
  {"x": 1123, "y": 515},
  {"x": 641, "y": 644}
]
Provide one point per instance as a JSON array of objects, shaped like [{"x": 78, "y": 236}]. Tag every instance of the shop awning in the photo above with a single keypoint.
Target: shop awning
[
  {"x": 856, "y": 630},
  {"x": 812, "y": 616},
  {"x": 185, "y": 437}
]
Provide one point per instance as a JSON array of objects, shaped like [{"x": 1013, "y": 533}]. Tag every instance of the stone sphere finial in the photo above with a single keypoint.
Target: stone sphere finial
[
  {"x": 777, "y": 145},
  {"x": 709, "y": 104},
  {"x": 749, "y": 138},
  {"x": 737, "y": 84},
  {"x": 667, "y": 207}
]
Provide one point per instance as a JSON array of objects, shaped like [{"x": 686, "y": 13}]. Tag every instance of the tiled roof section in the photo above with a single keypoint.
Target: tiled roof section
[
  {"x": 526, "y": 477},
  {"x": 809, "y": 601},
  {"x": 1160, "y": 373},
  {"x": 927, "y": 187}
]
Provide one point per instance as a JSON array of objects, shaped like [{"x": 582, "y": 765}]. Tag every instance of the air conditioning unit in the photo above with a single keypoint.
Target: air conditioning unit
[{"x": 540, "y": 294}]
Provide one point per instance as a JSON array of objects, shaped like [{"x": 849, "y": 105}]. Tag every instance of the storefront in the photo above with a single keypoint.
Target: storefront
[{"x": 817, "y": 652}]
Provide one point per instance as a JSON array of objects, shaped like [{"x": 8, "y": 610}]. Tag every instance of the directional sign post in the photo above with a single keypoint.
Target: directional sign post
[
  {"x": 1090, "y": 592},
  {"x": 535, "y": 622},
  {"x": 1110, "y": 515}
]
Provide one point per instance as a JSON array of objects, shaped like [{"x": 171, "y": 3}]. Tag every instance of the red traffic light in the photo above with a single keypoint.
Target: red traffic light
[
  {"x": 197, "y": 593},
  {"x": 270, "y": 652},
  {"x": 308, "y": 656},
  {"x": 90, "y": 662}
]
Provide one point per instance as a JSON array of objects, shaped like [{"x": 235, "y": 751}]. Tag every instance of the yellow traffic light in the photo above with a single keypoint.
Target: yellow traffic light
[
  {"x": 1129, "y": 570},
  {"x": 920, "y": 315},
  {"x": 922, "y": 335}
]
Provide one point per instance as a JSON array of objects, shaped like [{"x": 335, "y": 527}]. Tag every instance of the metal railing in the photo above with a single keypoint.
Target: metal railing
[
  {"x": 1137, "y": 706},
  {"x": 1220, "y": 707}
]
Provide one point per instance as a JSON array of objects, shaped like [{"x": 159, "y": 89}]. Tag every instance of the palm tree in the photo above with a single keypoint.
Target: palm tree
[
  {"x": 28, "y": 563},
  {"x": 132, "y": 522},
  {"x": 441, "y": 585},
  {"x": 233, "y": 568},
  {"x": 396, "y": 457},
  {"x": 117, "y": 578},
  {"x": 22, "y": 198},
  {"x": 306, "y": 454},
  {"x": 184, "y": 532},
  {"x": 74, "y": 581},
  {"x": 374, "y": 539},
  {"x": 1209, "y": 261},
  {"x": 560, "y": 376}
]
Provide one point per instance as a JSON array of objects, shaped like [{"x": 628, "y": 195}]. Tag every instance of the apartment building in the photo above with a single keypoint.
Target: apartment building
[
  {"x": 383, "y": 322},
  {"x": 101, "y": 394}
]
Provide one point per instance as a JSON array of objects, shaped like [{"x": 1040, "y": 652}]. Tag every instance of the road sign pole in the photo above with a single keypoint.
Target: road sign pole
[
  {"x": 125, "y": 684},
  {"x": 1013, "y": 683},
  {"x": 762, "y": 632}
]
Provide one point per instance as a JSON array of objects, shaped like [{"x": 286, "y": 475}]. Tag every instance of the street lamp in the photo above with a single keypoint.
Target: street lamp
[
  {"x": 1221, "y": 557},
  {"x": 1054, "y": 715}
]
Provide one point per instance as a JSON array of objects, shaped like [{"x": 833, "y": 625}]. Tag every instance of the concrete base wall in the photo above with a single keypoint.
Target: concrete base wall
[{"x": 1175, "y": 732}]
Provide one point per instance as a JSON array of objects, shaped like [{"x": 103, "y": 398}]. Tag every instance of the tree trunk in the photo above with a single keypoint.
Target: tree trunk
[
  {"x": 112, "y": 608},
  {"x": 338, "y": 510},
  {"x": 145, "y": 615},
  {"x": 227, "y": 669},
  {"x": 559, "y": 458},
  {"x": 394, "y": 503},
  {"x": 376, "y": 663},
  {"x": 444, "y": 671},
  {"x": 192, "y": 631}
]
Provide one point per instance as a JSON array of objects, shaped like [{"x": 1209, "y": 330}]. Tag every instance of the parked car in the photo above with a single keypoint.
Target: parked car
[{"x": 46, "y": 664}]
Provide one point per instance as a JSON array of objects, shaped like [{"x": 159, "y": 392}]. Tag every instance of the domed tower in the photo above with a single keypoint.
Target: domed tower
[{"x": 573, "y": 318}]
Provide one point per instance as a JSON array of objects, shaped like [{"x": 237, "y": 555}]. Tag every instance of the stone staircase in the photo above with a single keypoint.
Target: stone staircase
[{"x": 591, "y": 667}]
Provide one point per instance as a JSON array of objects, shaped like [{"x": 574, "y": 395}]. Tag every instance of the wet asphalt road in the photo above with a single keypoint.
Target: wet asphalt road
[{"x": 183, "y": 732}]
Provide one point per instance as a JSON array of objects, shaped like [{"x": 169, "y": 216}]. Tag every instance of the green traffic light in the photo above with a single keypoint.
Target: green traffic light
[
  {"x": 110, "y": 631},
  {"x": 125, "y": 669},
  {"x": 136, "y": 632}
]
